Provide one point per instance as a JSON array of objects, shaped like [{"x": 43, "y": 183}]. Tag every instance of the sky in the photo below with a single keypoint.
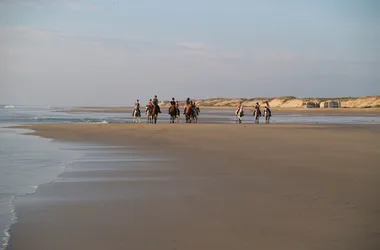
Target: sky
[{"x": 111, "y": 52}]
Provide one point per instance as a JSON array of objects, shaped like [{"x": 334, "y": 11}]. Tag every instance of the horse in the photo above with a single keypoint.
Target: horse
[
  {"x": 267, "y": 114},
  {"x": 195, "y": 114},
  {"x": 173, "y": 112},
  {"x": 149, "y": 112},
  {"x": 189, "y": 113},
  {"x": 155, "y": 113},
  {"x": 136, "y": 114},
  {"x": 257, "y": 114},
  {"x": 239, "y": 114}
]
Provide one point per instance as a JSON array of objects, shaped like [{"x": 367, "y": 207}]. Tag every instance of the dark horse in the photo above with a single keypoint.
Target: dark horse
[{"x": 155, "y": 113}]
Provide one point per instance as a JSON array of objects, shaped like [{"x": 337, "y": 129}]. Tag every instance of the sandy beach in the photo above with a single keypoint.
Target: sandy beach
[{"x": 213, "y": 186}]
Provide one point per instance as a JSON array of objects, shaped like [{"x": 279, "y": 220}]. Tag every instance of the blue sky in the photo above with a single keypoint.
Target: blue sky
[{"x": 73, "y": 52}]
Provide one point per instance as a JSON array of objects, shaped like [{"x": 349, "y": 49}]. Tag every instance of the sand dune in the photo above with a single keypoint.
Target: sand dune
[{"x": 293, "y": 102}]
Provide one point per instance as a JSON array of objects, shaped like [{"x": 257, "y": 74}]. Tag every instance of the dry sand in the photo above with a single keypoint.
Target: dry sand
[{"x": 224, "y": 187}]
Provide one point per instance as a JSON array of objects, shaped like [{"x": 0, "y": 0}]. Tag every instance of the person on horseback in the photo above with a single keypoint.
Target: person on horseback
[
  {"x": 267, "y": 109},
  {"x": 137, "y": 107},
  {"x": 150, "y": 103},
  {"x": 239, "y": 109},
  {"x": 155, "y": 103},
  {"x": 187, "y": 104},
  {"x": 257, "y": 109},
  {"x": 172, "y": 104}
]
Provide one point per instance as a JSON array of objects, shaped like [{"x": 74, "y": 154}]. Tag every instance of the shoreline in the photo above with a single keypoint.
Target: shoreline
[
  {"x": 212, "y": 173},
  {"x": 305, "y": 111}
]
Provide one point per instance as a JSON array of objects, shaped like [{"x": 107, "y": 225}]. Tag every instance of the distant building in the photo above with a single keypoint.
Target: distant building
[
  {"x": 330, "y": 104},
  {"x": 311, "y": 105}
]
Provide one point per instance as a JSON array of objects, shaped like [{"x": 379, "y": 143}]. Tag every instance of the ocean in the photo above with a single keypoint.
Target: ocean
[{"x": 26, "y": 162}]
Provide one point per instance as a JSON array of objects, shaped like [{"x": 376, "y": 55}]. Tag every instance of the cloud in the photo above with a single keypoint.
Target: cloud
[{"x": 46, "y": 66}]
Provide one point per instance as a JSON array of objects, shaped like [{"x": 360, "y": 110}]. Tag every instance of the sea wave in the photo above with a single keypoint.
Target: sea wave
[{"x": 9, "y": 107}]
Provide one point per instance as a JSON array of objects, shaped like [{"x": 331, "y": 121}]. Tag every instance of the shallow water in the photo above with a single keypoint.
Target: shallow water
[
  {"x": 40, "y": 114},
  {"x": 26, "y": 162}
]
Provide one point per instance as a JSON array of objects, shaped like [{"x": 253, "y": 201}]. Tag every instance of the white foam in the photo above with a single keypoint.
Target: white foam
[
  {"x": 6, "y": 233},
  {"x": 5, "y": 239},
  {"x": 9, "y": 106}
]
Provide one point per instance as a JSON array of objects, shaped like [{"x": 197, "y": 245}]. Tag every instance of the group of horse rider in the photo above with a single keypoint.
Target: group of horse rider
[
  {"x": 191, "y": 110},
  {"x": 240, "y": 110},
  {"x": 173, "y": 103}
]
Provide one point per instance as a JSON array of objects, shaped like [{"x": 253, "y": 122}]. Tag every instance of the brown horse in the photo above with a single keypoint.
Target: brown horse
[
  {"x": 173, "y": 113},
  {"x": 155, "y": 113},
  {"x": 151, "y": 113},
  {"x": 189, "y": 113}
]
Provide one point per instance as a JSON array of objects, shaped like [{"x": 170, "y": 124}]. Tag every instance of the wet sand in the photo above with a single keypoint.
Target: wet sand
[{"x": 214, "y": 186}]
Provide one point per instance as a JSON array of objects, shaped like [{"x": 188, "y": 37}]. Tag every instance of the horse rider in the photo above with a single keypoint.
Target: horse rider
[
  {"x": 137, "y": 107},
  {"x": 267, "y": 109},
  {"x": 187, "y": 104},
  {"x": 239, "y": 108},
  {"x": 267, "y": 103},
  {"x": 150, "y": 103},
  {"x": 155, "y": 103},
  {"x": 257, "y": 108},
  {"x": 172, "y": 103}
]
